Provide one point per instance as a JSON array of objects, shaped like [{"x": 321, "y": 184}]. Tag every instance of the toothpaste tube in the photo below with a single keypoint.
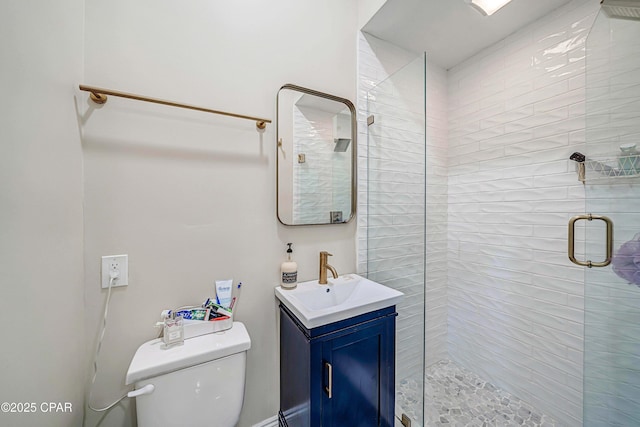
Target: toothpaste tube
[
  {"x": 193, "y": 313},
  {"x": 215, "y": 317},
  {"x": 218, "y": 309},
  {"x": 223, "y": 292}
]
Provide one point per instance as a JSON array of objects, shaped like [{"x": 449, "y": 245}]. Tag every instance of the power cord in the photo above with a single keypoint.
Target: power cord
[{"x": 113, "y": 277}]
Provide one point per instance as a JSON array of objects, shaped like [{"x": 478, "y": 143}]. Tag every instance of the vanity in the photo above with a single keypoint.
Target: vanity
[{"x": 337, "y": 353}]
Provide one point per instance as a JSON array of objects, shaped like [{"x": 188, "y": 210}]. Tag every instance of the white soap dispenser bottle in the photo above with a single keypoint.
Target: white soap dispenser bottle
[{"x": 289, "y": 271}]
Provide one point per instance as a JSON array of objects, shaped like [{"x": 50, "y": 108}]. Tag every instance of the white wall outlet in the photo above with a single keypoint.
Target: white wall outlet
[{"x": 118, "y": 266}]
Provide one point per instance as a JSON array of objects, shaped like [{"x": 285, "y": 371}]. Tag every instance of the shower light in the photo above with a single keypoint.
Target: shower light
[{"x": 488, "y": 7}]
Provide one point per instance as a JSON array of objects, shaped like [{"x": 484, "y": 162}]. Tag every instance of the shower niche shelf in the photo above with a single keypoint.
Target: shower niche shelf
[{"x": 612, "y": 167}]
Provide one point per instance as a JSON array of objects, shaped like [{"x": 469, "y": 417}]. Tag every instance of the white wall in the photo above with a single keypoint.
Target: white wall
[
  {"x": 516, "y": 113},
  {"x": 366, "y": 10},
  {"x": 191, "y": 197},
  {"x": 41, "y": 292}
]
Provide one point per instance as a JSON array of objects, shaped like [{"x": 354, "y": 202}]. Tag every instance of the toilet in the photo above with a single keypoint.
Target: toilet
[{"x": 198, "y": 383}]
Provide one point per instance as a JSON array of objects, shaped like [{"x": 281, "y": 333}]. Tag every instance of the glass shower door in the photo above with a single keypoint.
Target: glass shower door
[
  {"x": 612, "y": 311},
  {"x": 612, "y": 294},
  {"x": 396, "y": 216}
]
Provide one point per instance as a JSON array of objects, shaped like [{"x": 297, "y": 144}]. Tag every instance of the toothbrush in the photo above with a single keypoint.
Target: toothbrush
[{"x": 236, "y": 298}]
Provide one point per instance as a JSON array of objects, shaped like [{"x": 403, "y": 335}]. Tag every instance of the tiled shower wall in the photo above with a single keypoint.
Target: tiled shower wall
[
  {"x": 516, "y": 113},
  {"x": 396, "y": 227},
  {"x": 436, "y": 222}
]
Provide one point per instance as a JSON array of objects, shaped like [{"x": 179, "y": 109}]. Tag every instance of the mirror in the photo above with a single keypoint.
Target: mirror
[{"x": 316, "y": 158}]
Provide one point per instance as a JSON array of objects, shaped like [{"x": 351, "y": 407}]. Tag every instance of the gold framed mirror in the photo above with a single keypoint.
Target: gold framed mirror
[{"x": 316, "y": 157}]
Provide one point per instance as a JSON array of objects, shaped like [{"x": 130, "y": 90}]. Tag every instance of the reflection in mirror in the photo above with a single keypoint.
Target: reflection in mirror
[{"x": 316, "y": 157}]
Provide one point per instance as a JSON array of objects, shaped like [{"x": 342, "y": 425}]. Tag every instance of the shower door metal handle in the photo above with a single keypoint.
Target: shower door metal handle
[{"x": 590, "y": 217}]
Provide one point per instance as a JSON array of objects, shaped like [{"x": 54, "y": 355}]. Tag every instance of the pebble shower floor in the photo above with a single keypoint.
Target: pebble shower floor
[{"x": 455, "y": 397}]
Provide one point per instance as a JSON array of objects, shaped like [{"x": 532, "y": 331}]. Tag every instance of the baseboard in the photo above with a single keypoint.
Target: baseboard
[{"x": 269, "y": 422}]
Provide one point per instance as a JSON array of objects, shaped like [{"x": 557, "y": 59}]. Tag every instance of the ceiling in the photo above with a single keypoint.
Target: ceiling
[{"x": 451, "y": 31}]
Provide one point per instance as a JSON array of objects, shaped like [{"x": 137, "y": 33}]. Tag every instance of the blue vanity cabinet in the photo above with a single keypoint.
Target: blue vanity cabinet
[{"x": 338, "y": 375}]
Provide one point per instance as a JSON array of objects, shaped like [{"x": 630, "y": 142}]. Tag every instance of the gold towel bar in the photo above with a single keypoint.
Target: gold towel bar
[{"x": 99, "y": 96}]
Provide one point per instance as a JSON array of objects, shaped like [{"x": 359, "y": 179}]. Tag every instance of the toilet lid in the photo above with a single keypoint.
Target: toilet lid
[{"x": 152, "y": 360}]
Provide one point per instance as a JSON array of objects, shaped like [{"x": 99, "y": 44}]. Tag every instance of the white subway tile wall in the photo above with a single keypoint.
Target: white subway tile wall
[
  {"x": 516, "y": 114},
  {"x": 436, "y": 303}
]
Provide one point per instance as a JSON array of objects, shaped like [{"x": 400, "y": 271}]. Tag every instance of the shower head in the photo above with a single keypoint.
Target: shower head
[
  {"x": 341, "y": 145},
  {"x": 624, "y": 9},
  {"x": 578, "y": 157}
]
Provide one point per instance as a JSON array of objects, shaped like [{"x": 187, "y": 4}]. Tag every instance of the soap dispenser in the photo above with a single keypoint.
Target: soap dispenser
[{"x": 289, "y": 271}]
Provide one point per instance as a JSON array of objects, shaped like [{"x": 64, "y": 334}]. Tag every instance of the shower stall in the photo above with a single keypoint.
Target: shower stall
[{"x": 470, "y": 221}]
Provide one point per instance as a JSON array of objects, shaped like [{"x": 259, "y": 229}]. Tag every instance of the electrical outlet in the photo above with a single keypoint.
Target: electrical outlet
[{"x": 117, "y": 264}]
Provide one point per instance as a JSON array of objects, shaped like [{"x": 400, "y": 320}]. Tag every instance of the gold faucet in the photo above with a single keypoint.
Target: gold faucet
[{"x": 324, "y": 266}]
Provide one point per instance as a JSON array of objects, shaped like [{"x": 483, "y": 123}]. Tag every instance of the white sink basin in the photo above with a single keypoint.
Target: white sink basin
[{"x": 347, "y": 296}]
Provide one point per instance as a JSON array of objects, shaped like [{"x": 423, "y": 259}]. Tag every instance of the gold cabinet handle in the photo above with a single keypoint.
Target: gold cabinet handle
[
  {"x": 590, "y": 217},
  {"x": 329, "y": 388}
]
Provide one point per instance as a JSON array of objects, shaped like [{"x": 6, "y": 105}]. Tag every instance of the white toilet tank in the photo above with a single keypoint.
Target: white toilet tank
[{"x": 198, "y": 383}]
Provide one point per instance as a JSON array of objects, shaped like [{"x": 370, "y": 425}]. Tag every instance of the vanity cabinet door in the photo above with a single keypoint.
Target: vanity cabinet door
[
  {"x": 356, "y": 355},
  {"x": 358, "y": 376}
]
